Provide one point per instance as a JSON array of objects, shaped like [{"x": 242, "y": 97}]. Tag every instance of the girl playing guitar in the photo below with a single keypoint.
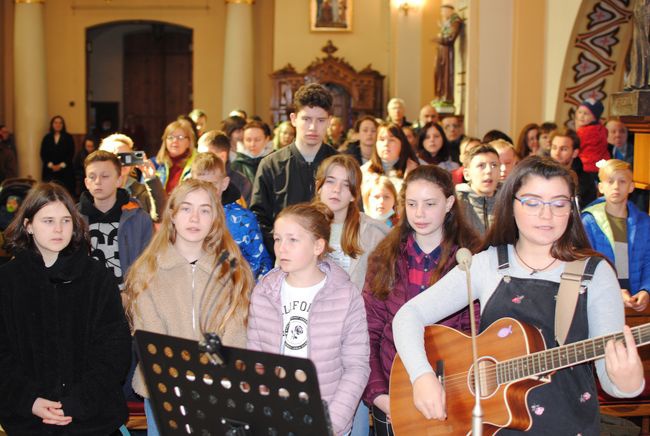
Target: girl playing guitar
[{"x": 536, "y": 230}]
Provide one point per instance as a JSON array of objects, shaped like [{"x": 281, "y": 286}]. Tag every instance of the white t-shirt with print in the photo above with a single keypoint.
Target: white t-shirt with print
[{"x": 296, "y": 305}]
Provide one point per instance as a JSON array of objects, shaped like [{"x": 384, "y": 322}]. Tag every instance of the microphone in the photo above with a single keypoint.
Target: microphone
[
  {"x": 464, "y": 259},
  {"x": 224, "y": 256}
]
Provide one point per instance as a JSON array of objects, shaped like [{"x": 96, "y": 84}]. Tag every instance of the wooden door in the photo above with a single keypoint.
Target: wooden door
[{"x": 157, "y": 81}]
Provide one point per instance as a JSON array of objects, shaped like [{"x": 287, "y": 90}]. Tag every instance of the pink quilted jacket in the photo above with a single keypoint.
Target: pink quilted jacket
[{"x": 338, "y": 337}]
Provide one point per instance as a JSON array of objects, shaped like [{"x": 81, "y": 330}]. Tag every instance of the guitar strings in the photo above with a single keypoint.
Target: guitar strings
[
  {"x": 490, "y": 376},
  {"x": 461, "y": 378},
  {"x": 487, "y": 375},
  {"x": 452, "y": 380}
]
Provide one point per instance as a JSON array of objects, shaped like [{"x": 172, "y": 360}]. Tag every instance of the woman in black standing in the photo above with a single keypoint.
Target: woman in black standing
[{"x": 57, "y": 154}]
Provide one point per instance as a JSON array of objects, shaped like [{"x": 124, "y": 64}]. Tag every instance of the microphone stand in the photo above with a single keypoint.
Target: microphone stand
[
  {"x": 477, "y": 412},
  {"x": 211, "y": 343}
]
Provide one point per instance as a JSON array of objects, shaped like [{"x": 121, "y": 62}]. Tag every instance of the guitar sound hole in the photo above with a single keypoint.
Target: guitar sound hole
[{"x": 487, "y": 377}]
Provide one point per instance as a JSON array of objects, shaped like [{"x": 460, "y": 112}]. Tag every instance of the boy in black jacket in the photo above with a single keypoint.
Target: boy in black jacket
[{"x": 286, "y": 177}]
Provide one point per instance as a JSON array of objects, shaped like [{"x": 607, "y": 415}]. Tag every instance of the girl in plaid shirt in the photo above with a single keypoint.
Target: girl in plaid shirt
[{"x": 417, "y": 252}]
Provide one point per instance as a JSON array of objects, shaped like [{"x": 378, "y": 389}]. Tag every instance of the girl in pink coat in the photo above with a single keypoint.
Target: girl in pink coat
[{"x": 308, "y": 307}]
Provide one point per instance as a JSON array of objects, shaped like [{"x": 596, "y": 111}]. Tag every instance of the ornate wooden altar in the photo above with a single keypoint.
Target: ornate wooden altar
[{"x": 355, "y": 92}]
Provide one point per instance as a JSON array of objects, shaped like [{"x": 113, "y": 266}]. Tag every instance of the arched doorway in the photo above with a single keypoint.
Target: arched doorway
[{"x": 139, "y": 76}]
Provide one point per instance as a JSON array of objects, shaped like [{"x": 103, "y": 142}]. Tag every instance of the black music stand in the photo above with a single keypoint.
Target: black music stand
[{"x": 208, "y": 389}]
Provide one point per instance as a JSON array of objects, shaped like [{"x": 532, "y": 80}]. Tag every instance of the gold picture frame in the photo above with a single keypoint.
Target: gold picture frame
[{"x": 330, "y": 15}]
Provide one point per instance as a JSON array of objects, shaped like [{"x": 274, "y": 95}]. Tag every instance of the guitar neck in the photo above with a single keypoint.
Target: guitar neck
[{"x": 547, "y": 361}]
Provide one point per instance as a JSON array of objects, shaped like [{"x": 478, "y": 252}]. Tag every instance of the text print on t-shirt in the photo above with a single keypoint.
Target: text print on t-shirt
[
  {"x": 295, "y": 331},
  {"x": 296, "y": 305}
]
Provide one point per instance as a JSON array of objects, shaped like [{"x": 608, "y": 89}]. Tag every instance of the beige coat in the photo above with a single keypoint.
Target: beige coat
[{"x": 172, "y": 305}]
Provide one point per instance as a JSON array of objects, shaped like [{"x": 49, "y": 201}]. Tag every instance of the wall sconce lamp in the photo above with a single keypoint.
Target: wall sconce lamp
[{"x": 405, "y": 6}]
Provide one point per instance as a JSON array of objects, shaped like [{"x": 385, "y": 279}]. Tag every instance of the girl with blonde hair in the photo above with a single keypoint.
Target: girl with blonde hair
[
  {"x": 177, "y": 287},
  {"x": 283, "y": 135},
  {"x": 380, "y": 201}
]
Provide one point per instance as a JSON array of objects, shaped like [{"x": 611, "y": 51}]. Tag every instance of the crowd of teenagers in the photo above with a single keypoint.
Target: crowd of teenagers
[{"x": 343, "y": 249}]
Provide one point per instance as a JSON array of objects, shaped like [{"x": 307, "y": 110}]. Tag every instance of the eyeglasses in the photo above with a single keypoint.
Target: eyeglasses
[
  {"x": 535, "y": 206},
  {"x": 170, "y": 138}
]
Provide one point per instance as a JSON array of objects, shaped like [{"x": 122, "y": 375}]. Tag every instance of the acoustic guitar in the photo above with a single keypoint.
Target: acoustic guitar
[{"x": 512, "y": 360}]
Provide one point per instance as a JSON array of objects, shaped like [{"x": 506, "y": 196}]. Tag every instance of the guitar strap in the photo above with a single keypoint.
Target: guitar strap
[{"x": 567, "y": 297}]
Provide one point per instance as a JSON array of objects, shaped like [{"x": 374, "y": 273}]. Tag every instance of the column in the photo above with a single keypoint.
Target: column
[
  {"x": 238, "y": 80},
  {"x": 493, "y": 94},
  {"x": 407, "y": 59},
  {"x": 30, "y": 85}
]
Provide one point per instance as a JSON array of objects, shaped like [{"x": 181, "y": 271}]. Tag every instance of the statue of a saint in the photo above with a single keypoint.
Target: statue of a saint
[
  {"x": 443, "y": 77},
  {"x": 639, "y": 74}
]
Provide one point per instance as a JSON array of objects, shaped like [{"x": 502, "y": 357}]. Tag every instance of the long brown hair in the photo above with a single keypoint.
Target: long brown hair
[
  {"x": 405, "y": 152},
  {"x": 572, "y": 245},
  {"x": 350, "y": 235},
  {"x": 456, "y": 232},
  {"x": 234, "y": 299},
  {"x": 522, "y": 147}
]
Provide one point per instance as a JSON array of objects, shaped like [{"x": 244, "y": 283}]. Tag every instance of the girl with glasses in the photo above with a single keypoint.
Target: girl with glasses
[{"x": 536, "y": 231}]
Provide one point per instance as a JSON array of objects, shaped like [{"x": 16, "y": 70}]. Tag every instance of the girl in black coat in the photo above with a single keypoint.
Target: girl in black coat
[
  {"x": 65, "y": 346},
  {"x": 57, "y": 154}
]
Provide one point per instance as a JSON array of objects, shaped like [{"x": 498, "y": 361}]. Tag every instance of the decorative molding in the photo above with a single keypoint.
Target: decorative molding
[
  {"x": 241, "y": 2},
  {"x": 595, "y": 59},
  {"x": 30, "y": 1},
  {"x": 121, "y": 5}
]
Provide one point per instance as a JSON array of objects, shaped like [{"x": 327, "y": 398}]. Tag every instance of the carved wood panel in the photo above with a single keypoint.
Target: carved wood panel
[{"x": 365, "y": 88}]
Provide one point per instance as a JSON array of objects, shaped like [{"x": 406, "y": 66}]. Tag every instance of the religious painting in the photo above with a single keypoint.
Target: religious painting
[{"x": 330, "y": 15}]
